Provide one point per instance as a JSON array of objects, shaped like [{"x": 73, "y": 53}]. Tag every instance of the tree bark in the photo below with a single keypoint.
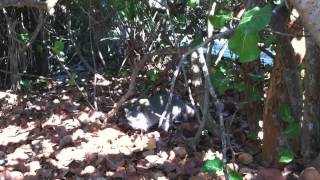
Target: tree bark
[
  {"x": 311, "y": 113},
  {"x": 285, "y": 87},
  {"x": 310, "y": 13}
]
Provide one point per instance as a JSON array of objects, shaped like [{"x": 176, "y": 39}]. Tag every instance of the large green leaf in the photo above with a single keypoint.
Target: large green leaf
[
  {"x": 212, "y": 165},
  {"x": 257, "y": 18},
  {"x": 244, "y": 43},
  {"x": 285, "y": 155}
]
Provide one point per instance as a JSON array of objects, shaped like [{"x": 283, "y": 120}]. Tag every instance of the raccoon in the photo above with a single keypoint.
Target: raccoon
[{"x": 146, "y": 113}]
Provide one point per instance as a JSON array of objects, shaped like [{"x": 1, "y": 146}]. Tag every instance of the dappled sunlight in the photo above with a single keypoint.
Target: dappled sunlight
[
  {"x": 62, "y": 138},
  {"x": 15, "y": 134}
]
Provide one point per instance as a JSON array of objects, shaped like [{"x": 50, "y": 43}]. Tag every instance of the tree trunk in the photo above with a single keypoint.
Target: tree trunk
[
  {"x": 311, "y": 113},
  {"x": 310, "y": 12},
  {"x": 285, "y": 87}
]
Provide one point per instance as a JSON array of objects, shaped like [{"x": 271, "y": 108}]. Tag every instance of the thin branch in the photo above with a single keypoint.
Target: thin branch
[
  {"x": 224, "y": 34},
  {"x": 218, "y": 107}
]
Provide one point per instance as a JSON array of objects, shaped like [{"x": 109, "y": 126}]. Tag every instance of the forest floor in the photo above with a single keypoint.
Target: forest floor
[{"x": 51, "y": 133}]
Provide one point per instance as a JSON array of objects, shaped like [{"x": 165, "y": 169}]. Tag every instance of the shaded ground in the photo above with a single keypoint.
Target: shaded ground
[{"x": 51, "y": 133}]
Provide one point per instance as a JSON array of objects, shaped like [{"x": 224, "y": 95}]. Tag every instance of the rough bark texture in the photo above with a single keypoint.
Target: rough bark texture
[
  {"x": 311, "y": 113},
  {"x": 271, "y": 123},
  {"x": 284, "y": 87},
  {"x": 310, "y": 13}
]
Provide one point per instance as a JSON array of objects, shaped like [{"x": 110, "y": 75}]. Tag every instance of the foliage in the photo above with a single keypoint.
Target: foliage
[
  {"x": 24, "y": 37},
  {"x": 193, "y": 3},
  {"x": 153, "y": 74},
  {"x": 26, "y": 85},
  {"x": 211, "y": 166},
  {"x": 234, "y": 176},
  {"x": 219, "y": 21},
  {"x": 286, "y": 155},
  {"x": 244, "y": 41}
]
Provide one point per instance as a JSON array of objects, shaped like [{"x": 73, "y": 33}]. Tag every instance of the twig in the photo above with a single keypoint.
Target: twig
[
  {"x": 218, "y": 107},
  {"x": 175, "y": 75}
]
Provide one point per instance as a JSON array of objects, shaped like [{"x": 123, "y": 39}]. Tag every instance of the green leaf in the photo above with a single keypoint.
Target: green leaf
[
  {"x": 285, "y": 155},
  {"x": 58, "y": 48},
  {"x": 293, "y": 130},
  {"x": 245, "y": 44},
  {"x": 256, "y": 18},
  {"x": 218, "y": 21},
  {"x": 244, "y": 41},
  {"x": 285, "y": 113},
  {"x": 234, "y": 176},
  {"x": 193, "y": 3},
  {"x": 25, "y": 37},
  {"x": 212, "y": 165},
  {"x": 152, "y": 75},
  {"x": 25, "y": 85}
]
